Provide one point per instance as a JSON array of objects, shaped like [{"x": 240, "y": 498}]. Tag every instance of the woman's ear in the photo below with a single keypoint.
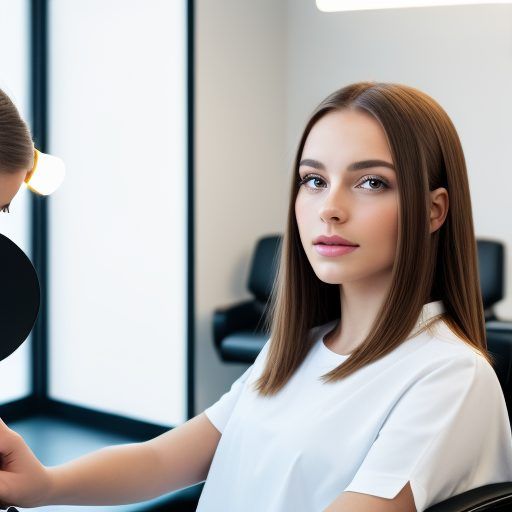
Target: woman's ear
[{"x": 439, "y": 203}]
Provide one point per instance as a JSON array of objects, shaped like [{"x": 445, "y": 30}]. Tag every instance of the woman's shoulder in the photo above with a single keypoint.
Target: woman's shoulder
[
  {"x": 447, "y": 347},
  {"x": 442, "y": 335}
]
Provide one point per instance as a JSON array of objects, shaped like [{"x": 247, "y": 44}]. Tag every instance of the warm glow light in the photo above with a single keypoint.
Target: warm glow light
[
  {"x": 360, "y": 5},
  {"x": 46, "y": 175}
]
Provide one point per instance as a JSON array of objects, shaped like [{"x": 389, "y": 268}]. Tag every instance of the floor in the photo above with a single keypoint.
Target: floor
[{"x": 55, "y": 442}]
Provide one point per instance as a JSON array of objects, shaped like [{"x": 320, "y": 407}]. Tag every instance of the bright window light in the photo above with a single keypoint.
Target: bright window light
[{"x": 361, "y": 5}]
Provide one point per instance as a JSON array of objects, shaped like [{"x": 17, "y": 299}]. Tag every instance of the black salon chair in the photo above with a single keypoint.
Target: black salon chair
[
  {"x": 239, "y": 335},
  {"x": 238, "y": 330}
]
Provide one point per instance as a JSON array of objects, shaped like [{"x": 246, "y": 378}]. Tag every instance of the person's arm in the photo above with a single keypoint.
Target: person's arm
[
  {"x": 131, "y": 473},
  {"x": 113, "y": 475}
]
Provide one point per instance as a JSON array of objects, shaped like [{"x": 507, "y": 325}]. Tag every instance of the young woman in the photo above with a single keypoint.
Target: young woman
[{"x": 375, "y": 390}]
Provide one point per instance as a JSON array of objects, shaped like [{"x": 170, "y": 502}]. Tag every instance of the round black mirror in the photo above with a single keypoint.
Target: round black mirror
[{"x": 19, "y": 296}]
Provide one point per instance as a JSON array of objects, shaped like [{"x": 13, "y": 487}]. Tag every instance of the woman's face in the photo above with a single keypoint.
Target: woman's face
[{"x": 358, "y": 205}]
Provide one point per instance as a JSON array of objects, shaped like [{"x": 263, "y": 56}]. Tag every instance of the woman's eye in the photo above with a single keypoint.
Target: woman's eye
[
  {"x": 5, "y": 210},
  {"x": 308, "y": 178},
  {"x": 372, "y": 180}
]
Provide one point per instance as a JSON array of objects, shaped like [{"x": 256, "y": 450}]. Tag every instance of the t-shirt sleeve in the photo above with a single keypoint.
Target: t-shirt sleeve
[
  {"x": 448, "y": 433},
  {"x": 220, "y": 411}
]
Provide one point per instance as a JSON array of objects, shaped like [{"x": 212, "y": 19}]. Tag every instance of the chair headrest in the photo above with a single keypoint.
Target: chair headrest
[
  {"x": 264, "y": 266},
  {"x": 491, "y": 263}
]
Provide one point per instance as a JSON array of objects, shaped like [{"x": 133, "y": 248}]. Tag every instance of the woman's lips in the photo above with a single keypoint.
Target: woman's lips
[{"x": 334, "y": 250}]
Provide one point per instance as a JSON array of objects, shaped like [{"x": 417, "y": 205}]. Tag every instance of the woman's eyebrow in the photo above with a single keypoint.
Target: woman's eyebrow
[{"x": 354, "y": 166}]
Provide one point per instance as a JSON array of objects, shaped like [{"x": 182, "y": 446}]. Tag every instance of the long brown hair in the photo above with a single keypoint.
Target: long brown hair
[
  {"x": 427, "y": 154},
  {"x": 16, "y": 147}
]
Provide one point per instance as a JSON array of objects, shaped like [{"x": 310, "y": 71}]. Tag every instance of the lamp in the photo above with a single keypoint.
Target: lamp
[
  {"x": 46, "y": 175},
  {"x": 360, "y": 5}
]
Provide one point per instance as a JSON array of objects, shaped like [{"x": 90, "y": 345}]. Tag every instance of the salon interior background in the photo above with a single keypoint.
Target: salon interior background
[{"x": 119, "y": 266}]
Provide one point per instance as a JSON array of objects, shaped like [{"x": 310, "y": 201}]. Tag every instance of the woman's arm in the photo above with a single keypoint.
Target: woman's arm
[
  {"x": 137, "y": 472},
  {"x": 114, "y": 475}
]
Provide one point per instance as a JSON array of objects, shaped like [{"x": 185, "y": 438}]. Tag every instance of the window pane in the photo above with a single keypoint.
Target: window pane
[{"x": 117, "y": 226}]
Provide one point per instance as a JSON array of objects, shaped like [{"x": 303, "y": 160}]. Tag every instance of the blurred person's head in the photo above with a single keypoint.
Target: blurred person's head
[{"x": 16, "y": 151}]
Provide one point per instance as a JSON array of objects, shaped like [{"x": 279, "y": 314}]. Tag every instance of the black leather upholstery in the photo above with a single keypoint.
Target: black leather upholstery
[
  {"x": 492, "y": 497},
  {"x": 238, "y": 330},
  {"x": 491, "y": 258}
]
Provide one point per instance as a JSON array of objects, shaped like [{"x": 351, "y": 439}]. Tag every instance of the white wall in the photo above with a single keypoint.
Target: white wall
[
  {"x": 262, "y": 67},
  {"x": 240, "y": 168}
]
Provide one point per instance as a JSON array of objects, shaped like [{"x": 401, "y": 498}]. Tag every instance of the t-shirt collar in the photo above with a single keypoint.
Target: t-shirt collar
[{"x": 429, "y": 311}]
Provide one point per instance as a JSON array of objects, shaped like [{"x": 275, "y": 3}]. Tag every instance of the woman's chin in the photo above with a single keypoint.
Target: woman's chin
[
  {"x": 337, "y": 275},
  {"x": 331, "y": 278}
]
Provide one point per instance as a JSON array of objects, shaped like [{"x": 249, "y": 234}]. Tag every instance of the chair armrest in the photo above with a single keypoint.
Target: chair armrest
[
  {"x": 245, "y": 316},
  {"x": 482, "y": 499}
]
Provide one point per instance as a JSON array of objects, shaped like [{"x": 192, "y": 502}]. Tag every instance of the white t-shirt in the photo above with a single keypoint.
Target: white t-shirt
[{"x": 431, "y": 412}]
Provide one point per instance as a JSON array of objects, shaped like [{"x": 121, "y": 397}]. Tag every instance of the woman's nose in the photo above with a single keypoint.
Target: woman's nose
[{"x": 335, "y": 207}]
